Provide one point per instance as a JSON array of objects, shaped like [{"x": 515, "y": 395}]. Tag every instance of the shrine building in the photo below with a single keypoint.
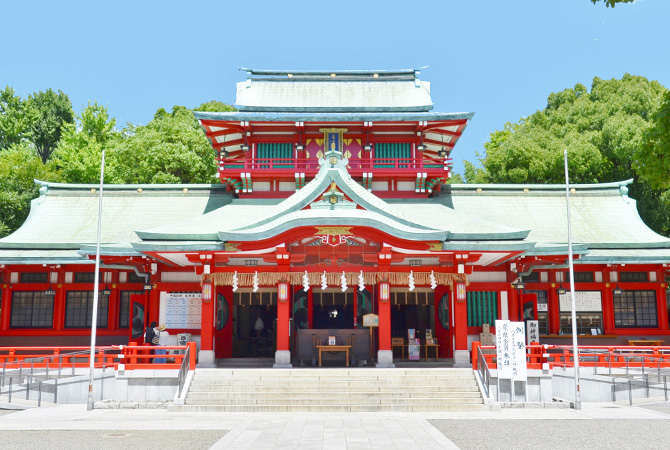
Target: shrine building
[{"x": 333, "y": 220}]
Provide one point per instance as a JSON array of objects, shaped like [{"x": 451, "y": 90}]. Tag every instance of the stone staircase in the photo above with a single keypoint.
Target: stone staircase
[{"x": 329, "y": 389}]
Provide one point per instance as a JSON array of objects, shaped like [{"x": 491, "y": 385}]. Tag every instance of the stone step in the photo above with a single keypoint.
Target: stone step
[
  {"x": 348, "y": 377},
  {"x": 333, "y": 389},
  {"x": 340, "y": 383},
  {"x": 339, "y": 401},
  {"x": 207, "y": 387},
  {"x": 460, "y": 407},
  {"x": 196, "y": 396},
  {"x": 308, "y": 372}
]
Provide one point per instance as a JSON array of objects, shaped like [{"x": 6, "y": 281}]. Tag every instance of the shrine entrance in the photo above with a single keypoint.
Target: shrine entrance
[
  {"x": 412, "y": 314},
  {"x": 255, "y": 324}
]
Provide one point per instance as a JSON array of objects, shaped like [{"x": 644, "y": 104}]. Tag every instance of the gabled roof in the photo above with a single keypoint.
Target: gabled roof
[
  {"x": 64, "y": 218},
  {"x": 264, "y": 221},
  {"x": 333, "y": 91},
  {"x": 527, "y": 219}
]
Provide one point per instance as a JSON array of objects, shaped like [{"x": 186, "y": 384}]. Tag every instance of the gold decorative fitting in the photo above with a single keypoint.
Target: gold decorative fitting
[
  {"x": 479, "y": 190},
  {"x": 185, "y": 190},
  {"x": 332, "y": 75},
  {"x": 92, "y": 190},
  {"x": 526, "y": 190},
  {"x": 290, "y": 75},
  {"x": 573, "y": 190},
  {"x": 139, "y": 190}
]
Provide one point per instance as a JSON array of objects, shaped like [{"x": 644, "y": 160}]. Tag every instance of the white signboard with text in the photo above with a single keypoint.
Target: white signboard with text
[
  {"x": 183, "y": 310},
  {"x": 586, "y": 301},
  {"x": 504, "y": 348},
  {"x": 533, "y": 331},
  {"x": 511, "y": 350},
  {"x": 519, "y": 372}
]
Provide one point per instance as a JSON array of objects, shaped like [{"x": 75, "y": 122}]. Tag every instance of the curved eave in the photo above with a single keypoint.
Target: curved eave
[
  {"x": 630, "y": 245},
  {"x": 294, "y": 220},
  {"x": 558, "y": 249},
  {"x": 180, "y": 246},
  {"x": 488, "y": 246},
  {"x": 109, "y": 250},
  {"x": 158, "y": 236},
  {"x": 39, "y": 246},
  {"x": 330, "y": 117},
  {"x": 502, "y": 236},
  {"x": 341, "y": 109}
]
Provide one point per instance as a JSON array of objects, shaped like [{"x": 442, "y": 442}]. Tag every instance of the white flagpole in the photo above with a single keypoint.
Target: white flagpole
[
  {"x": 575, "y": 348},
  {"x": 96, "y": 285}
]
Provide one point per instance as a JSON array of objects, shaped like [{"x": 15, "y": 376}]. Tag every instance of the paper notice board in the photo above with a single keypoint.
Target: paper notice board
[{"x": 183, "y": 310}]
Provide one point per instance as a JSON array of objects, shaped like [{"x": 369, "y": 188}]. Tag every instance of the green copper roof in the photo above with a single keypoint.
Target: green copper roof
[
  {"x": 333, "y": 91},
  {"x": 65, "y": 216},
  {"x": 602, "y": 215},
  {"x": 248, "y": 222}
]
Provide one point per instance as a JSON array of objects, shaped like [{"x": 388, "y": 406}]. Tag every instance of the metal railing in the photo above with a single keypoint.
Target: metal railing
[
  {"x": 32, "y": 375},
  {"x": 34, "y": 371},
  {"x": 183, "y": 371},
  {"x": 652, "y": 380},
  {"x": 484, "y": 372}
]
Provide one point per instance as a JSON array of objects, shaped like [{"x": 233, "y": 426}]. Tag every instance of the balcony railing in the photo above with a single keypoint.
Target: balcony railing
[{"x": 355, "y": 166}]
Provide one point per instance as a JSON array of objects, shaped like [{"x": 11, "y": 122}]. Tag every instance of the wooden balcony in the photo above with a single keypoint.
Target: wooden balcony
[{"x": 400, "y": 168}]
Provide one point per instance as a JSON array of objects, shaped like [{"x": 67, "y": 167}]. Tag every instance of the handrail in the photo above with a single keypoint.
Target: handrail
[
  {"x": 612, "y": 356},
  {"x": 483, "y": 371},
  {"x": 28, "y": 367},
  {"x": 187, "y": 364},
  {"x": 312, "y": 164}
]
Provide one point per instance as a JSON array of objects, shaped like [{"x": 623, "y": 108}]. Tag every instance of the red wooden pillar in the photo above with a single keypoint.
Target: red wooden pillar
[
  {"x": 6, "y": 306},
  {"x": 384, "y": 354},
  {"x": 662, "y": 307},
  {"x": 553, "y": 310},
  {"x": 461, "y": 353},
  {"x": 513, "y": 304},
  {"x": 607, "y": 303},
  {"x": 283, "y": 353},
  {"x": 206, "y": 354}
]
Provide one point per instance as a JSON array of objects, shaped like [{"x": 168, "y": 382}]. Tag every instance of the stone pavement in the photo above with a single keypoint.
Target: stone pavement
[{"x": 73, "y": 427}]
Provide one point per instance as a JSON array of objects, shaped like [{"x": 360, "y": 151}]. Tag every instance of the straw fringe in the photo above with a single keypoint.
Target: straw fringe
[{"x": 334, "y": 278}]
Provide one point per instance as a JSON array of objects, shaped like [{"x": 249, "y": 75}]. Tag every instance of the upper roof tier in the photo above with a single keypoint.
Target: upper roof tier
[{"x": 333, "y": 91}]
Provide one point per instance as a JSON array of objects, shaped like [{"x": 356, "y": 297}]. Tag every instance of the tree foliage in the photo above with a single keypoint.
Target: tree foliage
[
  {"x": 79, "y": 153},
  {"x": 51, "y": 112},
  {"x": 653, "y": 157},
  {"x": 613, "y": 3},
  {"x": 170, "y": 149},
  {"x": 19, "y": 167},
  {"x": 602, "y": 129},
  {"x": 15, "y": 119}
]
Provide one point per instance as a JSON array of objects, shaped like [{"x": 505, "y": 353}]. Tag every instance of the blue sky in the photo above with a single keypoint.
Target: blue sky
[{"x": 497, "y": 58}]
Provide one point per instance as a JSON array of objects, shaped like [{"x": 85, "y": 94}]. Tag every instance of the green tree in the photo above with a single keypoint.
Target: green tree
[
  {"x": 15, "y": 118},
  {"x": 19, "y": 167},
  {"x": 170, "y": 149},
  {"x": 52, "y": 111},
  {"x": 602, "y": 130},
  {"x": 653, "y": 158},
  {"x": 612, "y": 3},
  {"x": 215, "y": 106},
  {"x": 79, "y": 153}
]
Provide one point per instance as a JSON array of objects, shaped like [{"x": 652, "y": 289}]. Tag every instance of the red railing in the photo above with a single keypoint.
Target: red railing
[
  {"x": 140, "y": 357},
  {"x": 132, "y": 356},
  {"x": 291, "y": 164},
  {"x": 537, "y": 355}
]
